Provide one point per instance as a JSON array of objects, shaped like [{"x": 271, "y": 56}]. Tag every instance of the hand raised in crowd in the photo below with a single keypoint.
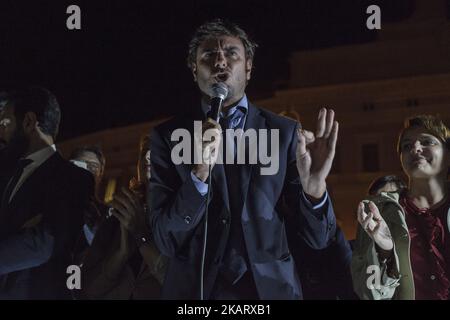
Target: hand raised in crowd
[
  {"x": 209, "y": 148},
  {"x": 315, "y": 154},
  {"x": 128, "y": 208},
  {"x": 375, "y": 226}
]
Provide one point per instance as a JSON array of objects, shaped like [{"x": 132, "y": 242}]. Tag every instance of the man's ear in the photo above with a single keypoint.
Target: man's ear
[
  {"x": 248, "y": 69},
  {"x": 29, "y": 122},
  {"x": 194, "y": 71}
]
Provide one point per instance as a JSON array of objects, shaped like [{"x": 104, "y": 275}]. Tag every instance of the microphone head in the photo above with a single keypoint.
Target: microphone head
[{"x": 219, "y": 90}]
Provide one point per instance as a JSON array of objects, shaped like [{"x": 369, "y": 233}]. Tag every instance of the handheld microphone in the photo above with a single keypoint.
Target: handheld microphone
[{"x": 219, "y": 92}]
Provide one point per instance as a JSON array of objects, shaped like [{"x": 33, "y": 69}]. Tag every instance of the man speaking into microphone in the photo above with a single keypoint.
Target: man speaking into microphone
[{"x": 244, "y": 253}]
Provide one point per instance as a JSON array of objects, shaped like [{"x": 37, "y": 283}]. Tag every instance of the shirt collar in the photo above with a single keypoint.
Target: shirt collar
[
  {"x": 243, "y": 104},
  {"x": 42, "y": 155}
]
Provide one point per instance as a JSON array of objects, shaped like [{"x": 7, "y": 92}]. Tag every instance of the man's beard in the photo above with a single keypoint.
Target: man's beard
[{"x": 16, "y": 148}]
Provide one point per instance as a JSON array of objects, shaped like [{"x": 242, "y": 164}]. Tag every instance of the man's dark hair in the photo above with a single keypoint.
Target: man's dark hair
[
  {"x": 42, "y": 103},
  {"x": 379, "y": 183},
  {"x": 217, "y": 28},
  {"x": 93, "y": 149}
]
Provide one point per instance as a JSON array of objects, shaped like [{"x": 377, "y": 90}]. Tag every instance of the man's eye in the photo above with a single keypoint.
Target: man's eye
[
  {"x": 428, "y": 142},
  {"x": 406, "y": 146}
]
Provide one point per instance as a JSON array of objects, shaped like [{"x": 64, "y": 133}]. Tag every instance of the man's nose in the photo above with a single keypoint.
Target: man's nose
[
  {"x": 417, "y": 147},
  {"x": 220, "y": 62}
]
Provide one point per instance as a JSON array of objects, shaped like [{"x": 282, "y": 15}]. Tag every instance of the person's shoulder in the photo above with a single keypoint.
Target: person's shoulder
[
  {"x": 71, "y": 175},
  {"x": 181, "y": 121},
  {"x": 275, "y": 120},
  {"x": 172, "y": 122},
  {"x": 384, "y": 197},
  {"x": 386, "y": 202}
]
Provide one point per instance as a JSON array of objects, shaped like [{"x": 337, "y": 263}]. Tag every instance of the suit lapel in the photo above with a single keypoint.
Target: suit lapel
[
  {"x": 31, "y": 184},
  {"x": 220, "y": 180},
  {"x": 27, "y": 198},
  {"x": 254, "y": 121}
]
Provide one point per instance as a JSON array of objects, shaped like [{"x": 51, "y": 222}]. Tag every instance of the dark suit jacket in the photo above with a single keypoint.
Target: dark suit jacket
[
  {"x": 6, "y": 170},
  {"x": 325, "y": 274},
  {"x": 178, "y": 214},
  {"x": 38, "y": 229}
]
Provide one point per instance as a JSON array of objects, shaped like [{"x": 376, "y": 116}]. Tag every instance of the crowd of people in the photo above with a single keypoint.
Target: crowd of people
[{"x": 212, "y": 230}]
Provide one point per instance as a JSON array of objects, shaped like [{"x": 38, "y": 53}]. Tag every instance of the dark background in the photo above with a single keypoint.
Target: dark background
[{"x": 128, "y": 62}]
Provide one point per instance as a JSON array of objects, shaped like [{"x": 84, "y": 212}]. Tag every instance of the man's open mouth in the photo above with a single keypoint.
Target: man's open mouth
[
  {"x": 222, "y": 77},
  {"x": 419, "y": 160}
]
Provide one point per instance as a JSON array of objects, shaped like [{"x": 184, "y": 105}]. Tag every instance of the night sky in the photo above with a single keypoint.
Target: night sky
[{"x": 127, "y": 63}]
